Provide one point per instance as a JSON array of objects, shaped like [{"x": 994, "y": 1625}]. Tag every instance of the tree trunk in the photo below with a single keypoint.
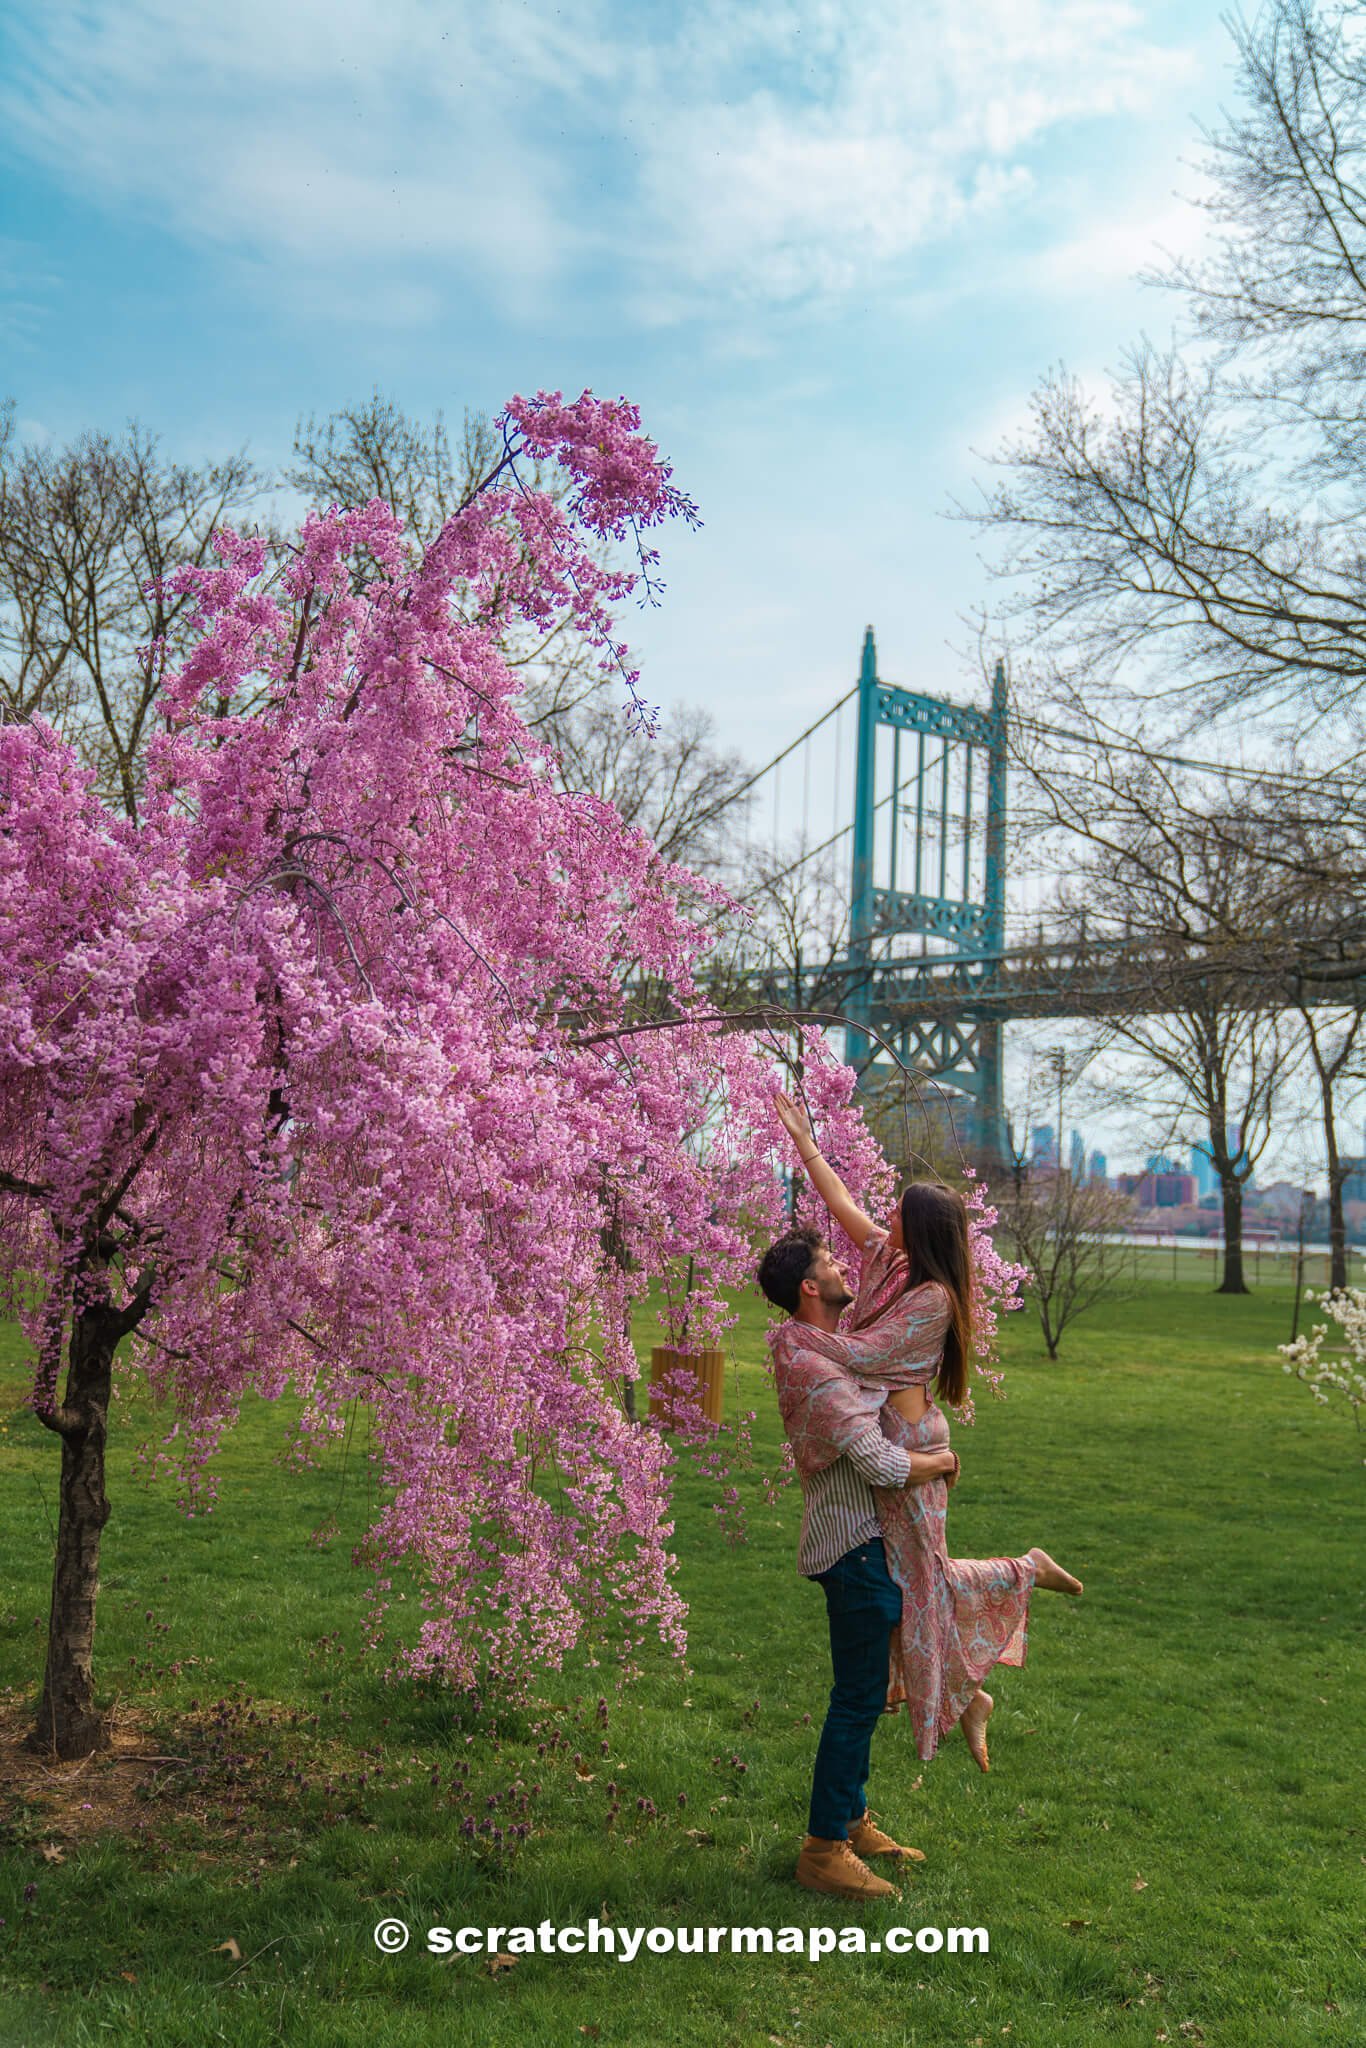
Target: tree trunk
[
  {"x": 1337, "y": 1222},
  {"x": 1233, "y": 1281},
  {"x": 68, "y": 1724},
  {"x": 1337, "y": 1227}
]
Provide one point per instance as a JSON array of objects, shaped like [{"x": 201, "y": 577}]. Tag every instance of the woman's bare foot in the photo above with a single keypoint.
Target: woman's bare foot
[
  {"x": 976, "y": 1714},
  {"x": 1050, "y": 1577}
]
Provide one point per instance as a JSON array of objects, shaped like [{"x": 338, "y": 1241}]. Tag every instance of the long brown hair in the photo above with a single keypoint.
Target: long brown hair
[{"x": 934, "y": 1224}]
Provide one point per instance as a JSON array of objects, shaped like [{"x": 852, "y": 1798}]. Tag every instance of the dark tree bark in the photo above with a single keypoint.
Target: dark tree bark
[
  {"x": 1231, "y": 1189},
  {"x": 69, "y": 1724},
  {"x": 1331, "y": 1062}
]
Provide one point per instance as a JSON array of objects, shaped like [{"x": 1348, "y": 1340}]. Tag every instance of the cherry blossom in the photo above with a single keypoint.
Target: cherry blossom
[{"x": 326, "y": 1075}]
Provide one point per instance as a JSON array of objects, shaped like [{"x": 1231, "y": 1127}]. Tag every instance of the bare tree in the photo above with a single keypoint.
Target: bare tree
[
  {"x": 375, "y": 450},
  {"x": 1188, "y": 971},
  {"x": 678, "y": 786},
  {"x": 1314, "y": 869},
  {"x": 1069, "y": 1231},
  {"x": 88, "y": 532},
  {"x": 1202, "y": 532},
  {"x": 791, "y": 943},
  {"x": 1283, "y": 289},
  {"x": 1261, "y": 869}
]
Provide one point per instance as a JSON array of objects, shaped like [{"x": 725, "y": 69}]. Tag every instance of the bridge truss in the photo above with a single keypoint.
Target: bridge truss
[{"x": 951, "y": 801}]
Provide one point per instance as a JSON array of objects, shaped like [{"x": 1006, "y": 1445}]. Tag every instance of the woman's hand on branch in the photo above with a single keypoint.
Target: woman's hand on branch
[
  {"x": 823, "y": 1177},
  {"x": 795, "y": 1122}
]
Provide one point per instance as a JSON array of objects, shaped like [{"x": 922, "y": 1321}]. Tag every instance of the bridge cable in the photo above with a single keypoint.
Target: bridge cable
[{"x": 724, "y": 803}]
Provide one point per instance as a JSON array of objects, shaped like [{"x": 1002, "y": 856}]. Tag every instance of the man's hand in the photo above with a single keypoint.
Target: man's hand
[{"x": 927, "y": 1465}]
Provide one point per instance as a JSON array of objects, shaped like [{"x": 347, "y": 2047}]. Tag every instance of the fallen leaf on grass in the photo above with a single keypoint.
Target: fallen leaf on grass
[
  {"x": 52, "y": 1854},
  {"x": 584, "y": 1777},
  {"x": 592, "y": 2032},
  {"x": 1140, "y": 1884},
  {"x": 497, "y": 1964},
  {"x": 916, "y": 1784},
  {"x": 228, "y": 1948},
  {"x": 1189, "y": 2030},
  {"x": 699, "y": 1837},
  {"x": 129, "y": 1976},
  {"x": 1076, "y": 1925}
]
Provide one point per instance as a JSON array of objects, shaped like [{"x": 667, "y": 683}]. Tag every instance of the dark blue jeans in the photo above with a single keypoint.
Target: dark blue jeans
[{"x": 864, "y": 1605}]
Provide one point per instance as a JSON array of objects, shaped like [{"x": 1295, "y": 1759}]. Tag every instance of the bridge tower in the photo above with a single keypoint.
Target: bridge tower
[{"x": 955, "y": 868}]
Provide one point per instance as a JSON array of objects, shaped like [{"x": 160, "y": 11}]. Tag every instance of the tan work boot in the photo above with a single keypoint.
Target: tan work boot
[
  {"x": 867, "y": 1840},
  {"x": 833, "y": 1867}
]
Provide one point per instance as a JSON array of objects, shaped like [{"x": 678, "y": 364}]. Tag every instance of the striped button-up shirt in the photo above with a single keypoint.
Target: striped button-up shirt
[{"x": 837, "y": 1503}]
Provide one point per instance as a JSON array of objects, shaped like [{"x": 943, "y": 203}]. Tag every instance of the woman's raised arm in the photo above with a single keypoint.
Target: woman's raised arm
[{"x": 851, "y": 1219}]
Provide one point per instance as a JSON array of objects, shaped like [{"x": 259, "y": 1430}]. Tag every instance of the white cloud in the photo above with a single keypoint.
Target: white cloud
[
  {"x": 1116, "y": 249},
  {"x": 723, "y": 150}
]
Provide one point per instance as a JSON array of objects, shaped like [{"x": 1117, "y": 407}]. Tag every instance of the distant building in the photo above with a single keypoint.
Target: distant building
[
  {"x": 1043, "y": 1146},
  {"x": 1158, "y": 1162},
  {"x": 1162, "y": 1190},
  {"x": 1354, "y": 1186},
  {"x": 1098, "y": 1165},
  {"x": 1202, "y": 1167},
  {"x": 1281, "y": 1201},
  {"x": 1077, "y": 1156}
]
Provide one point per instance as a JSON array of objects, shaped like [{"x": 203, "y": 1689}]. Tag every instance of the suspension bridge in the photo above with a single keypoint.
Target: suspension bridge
[{"x": 899, "y": 918}]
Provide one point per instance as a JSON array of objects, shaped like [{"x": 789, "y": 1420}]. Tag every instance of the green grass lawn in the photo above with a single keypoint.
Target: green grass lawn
[{"x": 1171, "y": 1844}]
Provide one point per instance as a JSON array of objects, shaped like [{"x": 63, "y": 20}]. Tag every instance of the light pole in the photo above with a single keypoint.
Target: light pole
[{"x": 1057, "y": 1060}]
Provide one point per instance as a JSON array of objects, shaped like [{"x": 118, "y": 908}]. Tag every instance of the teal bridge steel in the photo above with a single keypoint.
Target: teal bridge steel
[
  {"x": 929, "y": 966},
  {"x": 956, "y": 898}
]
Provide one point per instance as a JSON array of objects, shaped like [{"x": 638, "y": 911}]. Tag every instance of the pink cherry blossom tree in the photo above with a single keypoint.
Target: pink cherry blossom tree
[{"x": 328, "y": 1072}]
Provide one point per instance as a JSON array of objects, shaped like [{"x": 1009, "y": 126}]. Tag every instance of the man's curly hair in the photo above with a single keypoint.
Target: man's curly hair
[{"x": 786, "y": 1264}]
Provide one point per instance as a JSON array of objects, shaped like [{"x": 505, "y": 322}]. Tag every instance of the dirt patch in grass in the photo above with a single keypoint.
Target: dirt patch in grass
[
  {"x": 222, "y": 1783},
  {"x": 43, "y": 1799}
]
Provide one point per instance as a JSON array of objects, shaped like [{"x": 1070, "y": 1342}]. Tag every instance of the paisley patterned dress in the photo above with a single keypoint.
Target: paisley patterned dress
[{"x": 959, "y": 1616}]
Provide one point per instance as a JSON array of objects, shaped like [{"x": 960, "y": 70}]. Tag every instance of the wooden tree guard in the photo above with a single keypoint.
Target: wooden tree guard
[{"x": 707, "y": 1369}]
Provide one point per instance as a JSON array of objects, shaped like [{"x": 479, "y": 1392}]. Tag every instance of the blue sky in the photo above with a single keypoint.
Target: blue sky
[{"x": 827, "y": 246}]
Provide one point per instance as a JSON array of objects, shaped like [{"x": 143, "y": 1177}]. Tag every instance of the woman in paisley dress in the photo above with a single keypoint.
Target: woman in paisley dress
[{"x": 909, "y": 1335}]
